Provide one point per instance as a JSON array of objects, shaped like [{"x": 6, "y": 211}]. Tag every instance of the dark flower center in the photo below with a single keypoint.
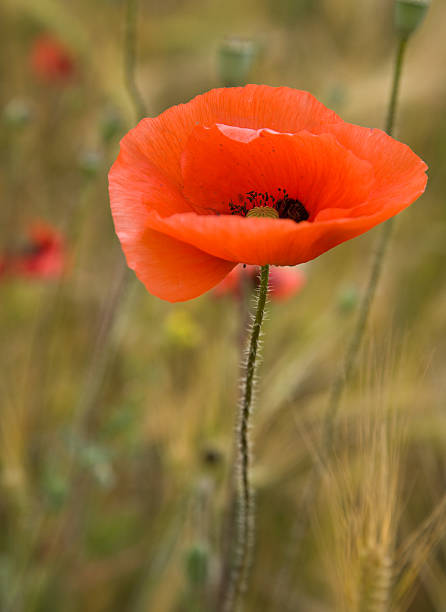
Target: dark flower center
[{"x": 285, "y": 207}]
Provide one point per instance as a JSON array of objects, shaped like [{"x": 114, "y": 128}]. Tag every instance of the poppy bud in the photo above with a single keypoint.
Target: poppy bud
[
  {"x": 111, "y": 125},
  {"x": 96, "y": 458},
  {"x": 51, "y": 61},
  {"x": 235, "y": 59},
  {"x": 17, "y": 113},
  {"x": 89, "y": 163},
  {"x": 197, "y": 564},
  {"x": 348, "y": 299},
  {"x": 409, "y": 14},
  {"x": 55, "y": 488},
  {"x": 212, "y": 456}
]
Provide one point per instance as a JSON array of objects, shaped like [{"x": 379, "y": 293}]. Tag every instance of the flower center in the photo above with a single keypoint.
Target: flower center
[
  {"x": 257, "y": 204},
  {"x": 263, "y": 211}
]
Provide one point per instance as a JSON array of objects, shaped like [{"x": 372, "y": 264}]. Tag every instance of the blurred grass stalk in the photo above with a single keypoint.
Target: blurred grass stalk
[
  {"x": 362, "y": 488},
  {"x": 106, "y": 332},
  {"x": 112, "y": 309},
  {"x": 406, "y": 22},
  {"x": 408, "y": 15},
  {"x": 121, "y": 281},
  {"x": 130, "y": 59}
]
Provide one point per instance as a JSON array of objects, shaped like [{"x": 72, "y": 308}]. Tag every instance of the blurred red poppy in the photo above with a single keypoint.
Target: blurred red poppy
[
  {"x": 284, "y": 282},
  {"x": 186, "y": 183},
  {"x": 51, "y": 61},
  {"x": 43, "y": 256}
]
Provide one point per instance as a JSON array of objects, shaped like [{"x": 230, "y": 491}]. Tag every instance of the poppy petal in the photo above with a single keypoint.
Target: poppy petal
[
  {"x": 285, "y": 282},
  {"x": 313, "y": 169},
  {"x": 173, "y": 270},
  {"x": 150, "y": 188},
  {"x": 155, "y": 257},
  {"x": 263, "y": 241},
  {"x": 149, "y": 191},
  {"x": 399, "y": 172},
  {"x": 162, "y": 139}
]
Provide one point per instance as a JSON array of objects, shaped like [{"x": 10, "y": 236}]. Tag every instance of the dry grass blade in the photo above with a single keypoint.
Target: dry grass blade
[{"x": 414, "y": 554}]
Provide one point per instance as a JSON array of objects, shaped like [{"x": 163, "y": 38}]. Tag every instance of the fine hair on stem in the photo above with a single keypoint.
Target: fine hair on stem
[{"x": 242, "y": 551}]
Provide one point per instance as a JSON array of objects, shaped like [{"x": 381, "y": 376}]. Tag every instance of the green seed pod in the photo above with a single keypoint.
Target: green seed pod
[
  {"x": 90, "y": 163},
  {"x": 17, "y": 113},
  {"x": 409, "y": 14},
  {"x": 111, "y": 125},
  {"x": 212, "y": 456},
  {"x": 235, "y": 59},
  {"x": 197, "y": 562},
  {"x": 348, "y": 299},
  {"x": 56, "y": 489}
]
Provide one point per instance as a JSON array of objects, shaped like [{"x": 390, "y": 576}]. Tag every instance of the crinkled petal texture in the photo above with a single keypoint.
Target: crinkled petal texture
[{"x": 177, "y": 176}]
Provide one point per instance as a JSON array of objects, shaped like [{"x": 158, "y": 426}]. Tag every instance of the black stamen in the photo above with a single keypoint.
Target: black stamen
[{"x": 288, "y": 208}]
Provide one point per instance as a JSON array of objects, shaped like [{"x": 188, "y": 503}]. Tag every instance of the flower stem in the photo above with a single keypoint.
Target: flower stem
[
  {"x": 130, "y": 60},
  {"x": 375, "y": 274},
  {"x": 400, "y": 53},
  {"x": 245, "y": 514}
]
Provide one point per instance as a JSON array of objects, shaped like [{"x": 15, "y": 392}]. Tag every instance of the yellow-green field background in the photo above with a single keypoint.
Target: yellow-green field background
[{"x": 106, "y": 500}]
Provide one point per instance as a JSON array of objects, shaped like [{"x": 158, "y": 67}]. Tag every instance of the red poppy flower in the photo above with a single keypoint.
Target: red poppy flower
[
  {"x": 43, "y": 257},
  {"x": 185, "y": 184},
  {"x": 284, "y": 282},
  {"x": 51, "y": 61}
]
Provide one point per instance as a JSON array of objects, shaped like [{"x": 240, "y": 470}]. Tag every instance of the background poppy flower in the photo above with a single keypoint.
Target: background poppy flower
[
  {"x": 43, "y": 256},
  {"x": 185, "y": 183},
  {"x": 51, "y": 61},
  {"x": 284, "y": 282}
]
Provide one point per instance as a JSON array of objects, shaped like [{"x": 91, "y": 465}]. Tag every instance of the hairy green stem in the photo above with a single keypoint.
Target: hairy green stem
[
  {"x": 375, "y": 274},
  {"x": 245, "y": 509},
  {"x": 130, "y": 60}
]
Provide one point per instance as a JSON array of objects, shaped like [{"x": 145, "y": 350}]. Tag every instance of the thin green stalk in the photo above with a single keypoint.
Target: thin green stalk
[
  {"x": 340, "y": 381},
  {"x": 375, "y": 274},
  {"x": 102, "y": 353},
  {"x": 102, "y": 350},
  {"x": 114, "y": 302},
  {"x": 130, "y": 59},
  {"x": 112, "y": 307},
  {"x": 400, "y": 53},
  {"x": 245, "y": 534}
]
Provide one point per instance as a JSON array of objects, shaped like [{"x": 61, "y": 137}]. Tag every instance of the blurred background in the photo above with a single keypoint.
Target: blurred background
[{"x": 118, "y": 409}]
